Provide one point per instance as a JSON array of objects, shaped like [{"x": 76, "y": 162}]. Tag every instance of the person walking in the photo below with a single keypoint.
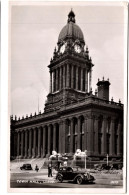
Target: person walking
[
  {"x": 49, "y": 170},
  {"x": 36, "y": 168}
]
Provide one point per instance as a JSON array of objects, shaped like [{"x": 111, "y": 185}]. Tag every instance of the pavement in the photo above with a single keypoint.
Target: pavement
[{"x": 103, "y": 178}]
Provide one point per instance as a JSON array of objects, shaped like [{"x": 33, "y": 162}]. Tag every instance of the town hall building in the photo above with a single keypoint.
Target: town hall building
[{"x": 74, "y": 117}]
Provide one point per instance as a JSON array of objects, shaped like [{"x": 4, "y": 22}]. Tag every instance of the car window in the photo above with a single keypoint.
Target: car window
[
  {"x": 76, "y": 169},
  {"x": 69, "y": 169}
]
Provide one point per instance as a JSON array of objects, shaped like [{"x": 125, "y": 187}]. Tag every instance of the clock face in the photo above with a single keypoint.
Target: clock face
[
  {"x": 62, "y": 48},
  {"x": 77, "y": 48}
]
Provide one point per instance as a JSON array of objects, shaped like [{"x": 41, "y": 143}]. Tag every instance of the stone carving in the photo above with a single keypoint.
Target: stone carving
[{"x": 79, "y": 153}]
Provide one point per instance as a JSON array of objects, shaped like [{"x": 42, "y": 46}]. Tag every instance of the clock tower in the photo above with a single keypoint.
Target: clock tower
[{"x": 70, "y": 68}]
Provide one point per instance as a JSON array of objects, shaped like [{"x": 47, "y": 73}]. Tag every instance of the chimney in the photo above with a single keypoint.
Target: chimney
[{"x": 103, "y": 89}]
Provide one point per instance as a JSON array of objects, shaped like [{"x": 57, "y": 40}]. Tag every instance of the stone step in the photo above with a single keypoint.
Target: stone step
[{"x": 17, "y": 163}]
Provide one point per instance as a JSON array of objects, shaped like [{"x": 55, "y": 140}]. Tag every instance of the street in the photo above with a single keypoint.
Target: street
[
  {"x": 34, "y": 179},
  {"x": 14, "y": 184}
]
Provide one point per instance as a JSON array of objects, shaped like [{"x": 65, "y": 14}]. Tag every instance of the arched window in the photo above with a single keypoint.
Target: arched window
[
  {"x": 19, "y": 143},
  {"x": 68, "y": 133},
  {"x": 27, "y": 143},
  {"x": 36, "y": 141},
  {"x": 51, "y": 143},
  {"x": 75, "y": 131},
  {"x": 108, "y": 134},
  {"x": 46, "y": 139},
  {"x": 100, "y": 120},
  {"x": 57, "y": 137},
  {"x": 116, "y": 135},
  {"x": 82, "y": 134}
]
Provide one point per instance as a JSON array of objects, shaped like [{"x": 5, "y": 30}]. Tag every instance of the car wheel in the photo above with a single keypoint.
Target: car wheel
[
  {"x": 59, "y": 178},
  {"x": 79, "y": 180}
]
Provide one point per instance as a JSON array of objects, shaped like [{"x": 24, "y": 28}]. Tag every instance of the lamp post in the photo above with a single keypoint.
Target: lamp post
[
  {"x": 85, "y": 158},
  {"x": 107, "y": 159}
]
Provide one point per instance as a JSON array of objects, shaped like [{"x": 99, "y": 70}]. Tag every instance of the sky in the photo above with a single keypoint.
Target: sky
[{"x": 34, "y": 31}]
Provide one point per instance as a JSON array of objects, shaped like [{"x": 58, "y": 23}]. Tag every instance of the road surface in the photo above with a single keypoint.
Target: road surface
[{"x": 32, "y": 179}]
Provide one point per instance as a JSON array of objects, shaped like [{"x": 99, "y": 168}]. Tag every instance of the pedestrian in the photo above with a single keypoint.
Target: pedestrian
[
  {"x": 49, "y": 170},
  {"x": 36, "y": 168},
  {"x": 65, "y": 163}
]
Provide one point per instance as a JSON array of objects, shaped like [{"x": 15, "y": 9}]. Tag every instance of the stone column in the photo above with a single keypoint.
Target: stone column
[
  {"x": 44, "y": 142},
  {"x": 96, "y": 136},
  {"x": 71, "y": 136},
  {"x": 50, "y": 82},
  {"x": 54, "y": 81},
  {"x": 39, "y": 142},
  {"x": 85, "y": 133},
  {"x": 81, "y": 79},
  {"x": 64, "y": 76},
  {"x": 60, "y": 136},
  {"x": 60, "y": 78},
  {"x": 49, "y": 139},
  {"x": 119, "y": 143},
  {"x": 18, "y": 143},
  {"x": 78, "y": 133},
  {"x": 54, "y": 137},
  {"x": 68, "y": 76},
  {"x": 22, "y": 137},
  {"x": 30, "y": 143},
  {"x": 104, "y": 140},
  {"x": 34, "y": 143},
  {"x": 63, "y": 136},
  {"x": 72, "y": 73},
  {"x": 112, "y": 146},
  {"x": 90, "y": 129},
  {"x": 26, "y": 149},
  {"x": 57, "y": 80},
  {"x": 86, "y": 80},
  {"x": 77, "y": 77},
  {"x": 90, "y": 79}
]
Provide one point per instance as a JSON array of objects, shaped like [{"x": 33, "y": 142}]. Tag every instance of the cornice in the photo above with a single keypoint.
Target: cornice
[
  {"x": 84, "y": 105},
  {"x": 67, "y": 57}
]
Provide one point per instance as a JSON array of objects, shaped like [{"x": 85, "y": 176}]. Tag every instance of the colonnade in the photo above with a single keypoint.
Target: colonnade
[
  {"x": 70, "y": 76},
  {"x": 37, "y": 141},
  {"x": 96, "y": 134}
]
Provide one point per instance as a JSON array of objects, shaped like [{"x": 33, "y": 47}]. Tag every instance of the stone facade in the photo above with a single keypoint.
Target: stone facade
[{"x": 73, "y": 117}]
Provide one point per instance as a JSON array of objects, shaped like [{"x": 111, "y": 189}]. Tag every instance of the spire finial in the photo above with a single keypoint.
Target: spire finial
[
  {"x": 71, "y": 16},
  {"x": 87, "y": 51}
]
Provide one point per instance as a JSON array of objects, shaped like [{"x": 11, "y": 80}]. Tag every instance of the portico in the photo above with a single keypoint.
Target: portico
[{"x": 86, "y": 132}]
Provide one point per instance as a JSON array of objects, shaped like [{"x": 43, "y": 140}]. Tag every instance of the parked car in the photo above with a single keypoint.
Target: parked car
[
  {"x": 74, "y": 174},
  {"x": 97, "y": 166},
  {"x": 105, "y": 167},
  {"x": 116, "y": 166},
  {"x": 102, "y": 167},
  {"x": 26, "y": 167}
]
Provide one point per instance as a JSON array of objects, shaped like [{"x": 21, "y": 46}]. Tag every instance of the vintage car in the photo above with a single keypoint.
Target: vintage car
[
  {"x": 116, "y": 166},
  {"x": 26, "y": 167},
  {"x": 74, "y": 174},
  {"x": 100, "y": 167}
]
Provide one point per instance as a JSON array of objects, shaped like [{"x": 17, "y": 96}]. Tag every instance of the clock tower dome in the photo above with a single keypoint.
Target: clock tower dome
[{"x": 70, "y": 68}]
